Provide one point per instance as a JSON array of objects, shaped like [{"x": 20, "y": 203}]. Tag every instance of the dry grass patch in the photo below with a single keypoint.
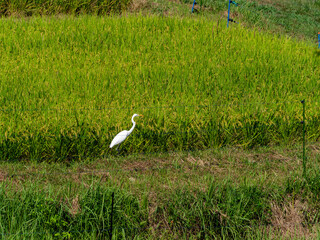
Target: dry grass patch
[
  {"x": 3, "y": 175},
  {"x": 143, "y": 165},
  {"x": 288, "y": 220},
  {"x": 75, "y": 206},
  {"x": 137, "y": 5}
]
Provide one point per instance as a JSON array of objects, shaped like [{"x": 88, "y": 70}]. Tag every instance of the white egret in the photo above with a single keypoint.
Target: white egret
[{"x": 121, "y": 136}]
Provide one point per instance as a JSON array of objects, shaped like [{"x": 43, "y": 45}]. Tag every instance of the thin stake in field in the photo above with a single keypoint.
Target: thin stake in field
[
  {"x": 230, "y": 19},
  {"x": 111, "y": 216},
  {"x": 304, "y": 138},
  {"x": 194, "y": 3}
]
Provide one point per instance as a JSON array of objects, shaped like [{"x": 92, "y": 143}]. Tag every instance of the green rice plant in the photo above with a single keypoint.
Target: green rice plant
[{"x": 70, "y": 84}]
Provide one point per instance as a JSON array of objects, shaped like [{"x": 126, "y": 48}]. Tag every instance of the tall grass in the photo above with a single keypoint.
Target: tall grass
[
  {"x": 68, "y": 85},
  {"x": 35, "y": 214},
  {"x": 51, "y": 7},
  {"x": 225, "y": 209}
]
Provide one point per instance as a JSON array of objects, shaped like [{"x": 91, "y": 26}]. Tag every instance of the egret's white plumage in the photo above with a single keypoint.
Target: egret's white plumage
[{"x": 121, "y": 136}]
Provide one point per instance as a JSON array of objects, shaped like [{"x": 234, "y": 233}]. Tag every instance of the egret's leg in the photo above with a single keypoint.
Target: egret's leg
[{"x": 118, "y": 148}]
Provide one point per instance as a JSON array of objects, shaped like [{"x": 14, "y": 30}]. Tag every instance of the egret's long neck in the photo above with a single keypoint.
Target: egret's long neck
[{"x": 134, "y": 124}]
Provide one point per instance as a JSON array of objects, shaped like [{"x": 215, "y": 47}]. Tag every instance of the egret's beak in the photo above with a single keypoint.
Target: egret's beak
[{"x": 140, "y": 115}]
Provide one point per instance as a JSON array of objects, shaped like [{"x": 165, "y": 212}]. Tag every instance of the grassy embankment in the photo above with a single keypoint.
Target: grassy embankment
[
  {"x": 227, "y": 193},
  {"x": 296, "y": 18},
  {"x": 26, "y": 8},
  {"x": 69, "y": 85}
]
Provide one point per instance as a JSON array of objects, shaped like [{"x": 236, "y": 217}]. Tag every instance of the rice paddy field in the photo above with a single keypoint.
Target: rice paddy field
[
  {"x": 217, "y": 155},
  {"x": 70, "y": 84}
]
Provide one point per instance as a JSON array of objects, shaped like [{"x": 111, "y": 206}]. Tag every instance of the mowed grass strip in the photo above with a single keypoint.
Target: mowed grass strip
[{"x": 69, "y": 84}]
